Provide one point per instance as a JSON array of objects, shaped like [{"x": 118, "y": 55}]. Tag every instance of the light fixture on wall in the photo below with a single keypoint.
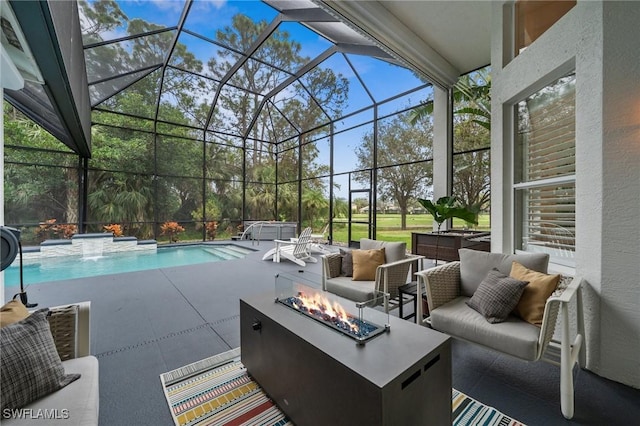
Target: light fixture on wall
[{"x": 10, "y": 247}]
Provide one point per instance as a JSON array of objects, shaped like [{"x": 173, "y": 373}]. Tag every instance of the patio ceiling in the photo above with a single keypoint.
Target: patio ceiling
[{"x": 415, "y": 35}]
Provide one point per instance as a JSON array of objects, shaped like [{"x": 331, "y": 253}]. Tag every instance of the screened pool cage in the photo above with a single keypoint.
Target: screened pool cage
[{"x": 211, "y": 114}]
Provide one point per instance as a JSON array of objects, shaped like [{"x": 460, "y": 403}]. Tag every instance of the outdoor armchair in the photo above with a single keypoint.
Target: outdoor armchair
[
  {"x": 449, "y": 313},
  {"x": 393, "y": 273}
]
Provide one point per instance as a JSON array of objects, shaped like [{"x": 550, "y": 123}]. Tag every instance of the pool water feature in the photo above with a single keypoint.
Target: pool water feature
[{"x": 69, "y": 267}]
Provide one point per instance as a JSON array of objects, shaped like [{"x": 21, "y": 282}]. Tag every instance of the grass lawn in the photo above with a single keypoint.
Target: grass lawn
[{"x": 389, "y": 227}]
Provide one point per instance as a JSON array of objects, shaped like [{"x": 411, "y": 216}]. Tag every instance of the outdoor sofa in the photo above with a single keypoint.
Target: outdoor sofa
[{"x": 77, "y": 403}]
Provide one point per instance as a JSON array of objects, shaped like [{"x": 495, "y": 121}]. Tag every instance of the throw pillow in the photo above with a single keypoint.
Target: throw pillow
[
  {"x": 475, "y": 265},
  {"x": 531, "y": 305},
  {"x": 393, "y": 251},
  {"x": 11, "y": 312},
  {"x": 30, "y": 366},
  {"x": 365, "y": 263},
  {"x": 347, "y": 263},
  {"x": 496, "y": 296}
]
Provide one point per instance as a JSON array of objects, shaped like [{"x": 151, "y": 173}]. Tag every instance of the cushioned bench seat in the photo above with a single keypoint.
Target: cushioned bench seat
[
  {"x": 513, "y": 336},
  {"x": 358, "y": 291}
]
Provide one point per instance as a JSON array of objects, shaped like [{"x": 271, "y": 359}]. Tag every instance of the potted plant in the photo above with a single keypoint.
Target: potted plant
[{"x": 446, "y": 208}]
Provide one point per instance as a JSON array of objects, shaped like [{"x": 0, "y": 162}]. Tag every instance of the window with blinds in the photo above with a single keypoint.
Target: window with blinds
[{"x": 545, "y": 172}]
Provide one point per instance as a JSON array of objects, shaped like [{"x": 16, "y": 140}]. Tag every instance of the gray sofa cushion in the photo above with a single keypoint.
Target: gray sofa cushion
[
  {"x": 30, "y": 365},
  {"x": 359, "y": 291},
  {"x": 496, "y": 296},
  {"x": 475, "y": 265},
  {"x": 80, "y": 398},
  {"x": 393, "y": 251},
  {"x": 513, "y": 336}
]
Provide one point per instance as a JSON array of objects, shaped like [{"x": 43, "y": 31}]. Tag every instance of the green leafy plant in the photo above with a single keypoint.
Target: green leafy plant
[{"x": 446, "y": 208}]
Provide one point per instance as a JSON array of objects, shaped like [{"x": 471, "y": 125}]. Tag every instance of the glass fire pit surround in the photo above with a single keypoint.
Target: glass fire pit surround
[{"x": 357, "y": 320}]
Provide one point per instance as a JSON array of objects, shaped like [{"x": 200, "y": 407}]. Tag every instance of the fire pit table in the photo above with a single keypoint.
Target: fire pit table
[{"x": 396, "y": 373}]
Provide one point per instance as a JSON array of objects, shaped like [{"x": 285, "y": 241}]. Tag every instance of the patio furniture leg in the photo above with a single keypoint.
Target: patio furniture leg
[{"x": 568, "y": 356}]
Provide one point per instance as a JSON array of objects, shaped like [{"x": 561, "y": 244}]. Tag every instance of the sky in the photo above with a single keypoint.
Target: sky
[{"x": 383, "y": 80}]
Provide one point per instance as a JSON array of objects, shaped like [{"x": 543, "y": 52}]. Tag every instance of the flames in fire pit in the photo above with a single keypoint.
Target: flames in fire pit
[{"x": 332, "y": 314}]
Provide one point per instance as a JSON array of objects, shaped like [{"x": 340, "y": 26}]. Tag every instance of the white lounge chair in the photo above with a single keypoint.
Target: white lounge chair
[
  {"x": 297, "y": 250},
  {"x": 318, "y": 240},
  {"x": 321, "y": 236}
]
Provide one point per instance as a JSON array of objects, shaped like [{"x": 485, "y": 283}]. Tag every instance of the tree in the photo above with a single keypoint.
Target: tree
[
  {"x": 130, "y": 194},
  {"x": 294, "y": 106},
  {"x": 33, "y": 190},
  {"x": 315, "y": 204},
  {"x": 143, "y": 169},
  {"x": 472, "y": 126},
  {"x": 472, "y": 93},
  {"x": 399, "y": 145},
  {"x": 472, "y": 169}
]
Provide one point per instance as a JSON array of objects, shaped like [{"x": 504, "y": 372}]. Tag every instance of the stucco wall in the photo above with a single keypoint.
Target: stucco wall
[
  {"x": 599, "y": 40},
  {"x": 620, "y": 285}
]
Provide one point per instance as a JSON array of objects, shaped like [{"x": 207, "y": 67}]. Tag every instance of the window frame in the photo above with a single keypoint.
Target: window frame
[{"x": 519, "y": 185}]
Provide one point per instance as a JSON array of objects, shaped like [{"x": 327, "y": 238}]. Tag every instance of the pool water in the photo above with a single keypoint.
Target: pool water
[{"x": 69, "y": 267}]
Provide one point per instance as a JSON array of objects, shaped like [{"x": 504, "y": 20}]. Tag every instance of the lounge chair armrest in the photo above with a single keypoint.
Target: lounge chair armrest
[
  {"x": 390, "y": 276},
  {"x": 441, "y": 284},
  {"x": 290, "y": 242},
  {"x": 554, "y": 306},
  {"x": 565, "y": 294},
  {"x": 409, "y": 259}
]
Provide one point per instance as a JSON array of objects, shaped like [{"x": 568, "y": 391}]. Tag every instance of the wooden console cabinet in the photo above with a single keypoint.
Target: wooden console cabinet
[{"x": 449, "y": 243}]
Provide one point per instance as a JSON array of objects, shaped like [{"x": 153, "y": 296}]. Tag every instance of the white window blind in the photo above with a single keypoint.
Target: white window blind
[{"x": 545, "y": 171}]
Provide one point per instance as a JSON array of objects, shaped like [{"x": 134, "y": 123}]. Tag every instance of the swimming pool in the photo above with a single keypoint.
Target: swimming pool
[{"x": 69, "y": 267}]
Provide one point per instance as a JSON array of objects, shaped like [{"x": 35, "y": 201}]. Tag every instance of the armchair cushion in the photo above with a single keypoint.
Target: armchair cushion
[
  {"x": 513, "y": 336},
  {"x": 531, "y": 305},
  {"x": 365, "y": 263},
  {"x": 30, "y": 365},
  {"x": 358, "y": 291},
  {"x": 475, "y": 265},
  {"x": 496, "y": 296},
  {"x": 347, "y": 263},
  {"x": 393, "y": 251}
]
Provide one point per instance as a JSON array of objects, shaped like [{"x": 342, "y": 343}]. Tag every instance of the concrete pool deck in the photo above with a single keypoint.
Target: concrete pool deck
[{"x": 149, "y": 322}]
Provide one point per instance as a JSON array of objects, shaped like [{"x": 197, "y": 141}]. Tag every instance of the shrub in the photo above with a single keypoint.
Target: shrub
[
  {"x": 212, "y": 229},
  {"x": 49, "y": 229},
  {"x": 114, "y": 228},
  {"x": 172, "y": 229}
]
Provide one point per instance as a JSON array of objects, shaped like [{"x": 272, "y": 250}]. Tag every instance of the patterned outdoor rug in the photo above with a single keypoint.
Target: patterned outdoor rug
[{"x": 218, "y": 391}]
